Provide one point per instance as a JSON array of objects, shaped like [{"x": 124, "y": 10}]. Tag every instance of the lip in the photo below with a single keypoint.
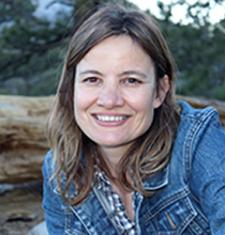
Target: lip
[{"x": 110, "y": 120}]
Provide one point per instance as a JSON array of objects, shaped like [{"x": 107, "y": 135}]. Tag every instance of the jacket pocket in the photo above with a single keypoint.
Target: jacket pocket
[{"x": 175, "y": 215}]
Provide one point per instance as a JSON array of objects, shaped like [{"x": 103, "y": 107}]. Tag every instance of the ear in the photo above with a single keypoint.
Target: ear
[{"x": 161, "y": 91}]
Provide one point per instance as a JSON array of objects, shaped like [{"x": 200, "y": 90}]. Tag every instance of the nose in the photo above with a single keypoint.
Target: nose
[{"x": 110, "y": 96}]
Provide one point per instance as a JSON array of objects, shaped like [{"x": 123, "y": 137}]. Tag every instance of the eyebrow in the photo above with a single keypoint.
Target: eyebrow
[
  {"x": 134, "y": 72},
  {"x": 91, "y": 71}
]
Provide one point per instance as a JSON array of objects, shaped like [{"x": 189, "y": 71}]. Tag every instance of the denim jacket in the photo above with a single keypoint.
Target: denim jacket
[{"x": 190, "y": 191}]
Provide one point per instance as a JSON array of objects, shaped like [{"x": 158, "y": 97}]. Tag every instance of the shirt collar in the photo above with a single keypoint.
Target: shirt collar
[
  {"x": 156, "y": 181},
  {"x": 100, "y": 178}
]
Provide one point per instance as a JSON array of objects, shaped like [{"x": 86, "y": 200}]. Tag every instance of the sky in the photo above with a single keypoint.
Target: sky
[
  {"x": 178, "y": 12},
  {"x": 217, "y": 13}
]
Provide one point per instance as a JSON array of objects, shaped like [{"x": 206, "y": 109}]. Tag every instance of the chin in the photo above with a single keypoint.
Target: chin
[
  {"x": 109, "y": 143},
  {"x": 112, "y": 143}
]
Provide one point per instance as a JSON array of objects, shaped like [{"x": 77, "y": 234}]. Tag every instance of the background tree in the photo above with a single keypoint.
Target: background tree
[
  {"x": 198, "y": 47},
  {"x": 32, "y": 48}
]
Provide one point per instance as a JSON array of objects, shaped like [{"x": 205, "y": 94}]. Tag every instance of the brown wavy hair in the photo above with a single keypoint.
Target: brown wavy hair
[{"x": 74, "y": 153}]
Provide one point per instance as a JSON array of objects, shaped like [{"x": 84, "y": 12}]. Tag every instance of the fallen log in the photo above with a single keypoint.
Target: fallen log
[
  {"x": 22, "y": 137},
  {"x": 22, "y": 134}
]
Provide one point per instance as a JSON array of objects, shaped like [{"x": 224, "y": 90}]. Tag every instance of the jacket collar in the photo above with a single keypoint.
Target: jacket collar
[{"x": 157, "y": 181}]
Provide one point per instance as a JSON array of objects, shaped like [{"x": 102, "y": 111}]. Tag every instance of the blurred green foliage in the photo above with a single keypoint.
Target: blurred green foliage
[{"x": 32, "y": 48}]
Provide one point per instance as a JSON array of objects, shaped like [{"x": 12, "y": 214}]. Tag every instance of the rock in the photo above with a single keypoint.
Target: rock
[{"x": 20, "y": 210}]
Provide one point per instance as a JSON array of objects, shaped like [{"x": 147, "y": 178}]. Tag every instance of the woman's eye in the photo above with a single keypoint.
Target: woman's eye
[
  {"x": 132, "y": 81},
  {"x": 91, "y": 80}
]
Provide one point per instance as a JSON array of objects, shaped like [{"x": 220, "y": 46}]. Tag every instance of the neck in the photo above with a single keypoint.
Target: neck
[{"x": 113, "y": 156}]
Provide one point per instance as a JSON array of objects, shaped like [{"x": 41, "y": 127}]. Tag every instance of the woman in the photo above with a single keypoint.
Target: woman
[{"x": 125, "y": 158}]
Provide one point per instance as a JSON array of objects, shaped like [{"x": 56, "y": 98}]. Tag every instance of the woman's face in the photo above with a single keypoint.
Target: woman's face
[{"x": 115, "y": 93}]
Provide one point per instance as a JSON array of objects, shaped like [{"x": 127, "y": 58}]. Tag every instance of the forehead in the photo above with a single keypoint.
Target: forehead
[
  {"x": 117, "y": 49},
  {"x": 118, "y": 42}
]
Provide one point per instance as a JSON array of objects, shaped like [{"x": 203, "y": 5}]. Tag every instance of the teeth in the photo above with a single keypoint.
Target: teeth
[{"x": 106, "y": 118}]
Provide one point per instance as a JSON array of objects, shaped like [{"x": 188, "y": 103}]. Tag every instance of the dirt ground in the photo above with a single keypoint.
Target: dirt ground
[{"x": 20, "y": 209}]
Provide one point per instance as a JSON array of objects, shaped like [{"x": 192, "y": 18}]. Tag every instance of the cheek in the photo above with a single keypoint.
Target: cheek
[
  {"x": 79, "y": 103},
  {"x": 83, "y": 99},
  {"x": 144, "y": 108},
  {"x": 142, "y": 102}
]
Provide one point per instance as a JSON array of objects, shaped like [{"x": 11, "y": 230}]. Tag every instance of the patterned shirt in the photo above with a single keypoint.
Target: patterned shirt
[{"x": 124, "y": 224}]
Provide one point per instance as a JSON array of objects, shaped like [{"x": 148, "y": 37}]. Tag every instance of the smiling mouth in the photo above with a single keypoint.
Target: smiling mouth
[{"x": 111, "y": 118}]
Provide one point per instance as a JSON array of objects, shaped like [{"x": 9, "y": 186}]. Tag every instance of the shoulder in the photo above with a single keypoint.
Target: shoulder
[
  {"x": 200, "y": 133},
  {"x": 48, "y": 165},
  {"x": 200, "y": 136},
  {"x": 196, "y": 123},
  {"x": 50, "y": 177},
  {"x": 196, "y": 115}
]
